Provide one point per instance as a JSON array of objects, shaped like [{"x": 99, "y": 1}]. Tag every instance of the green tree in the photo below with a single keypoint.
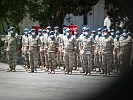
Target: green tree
[
  {"x": 12, "y": 12},
  {"x": 52, "y": 12},
  {"x": 119, "y": 9}
]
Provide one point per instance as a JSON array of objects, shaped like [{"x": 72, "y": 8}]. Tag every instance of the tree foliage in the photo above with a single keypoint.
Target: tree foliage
[
  {"x": 12, "y": 12},
  {"x": 120, "y": 11},
  {"x": 52, "y": 12}
]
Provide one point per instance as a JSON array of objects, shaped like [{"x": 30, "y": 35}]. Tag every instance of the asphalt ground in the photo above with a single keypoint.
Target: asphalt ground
[{"x": 21, "y": 85}]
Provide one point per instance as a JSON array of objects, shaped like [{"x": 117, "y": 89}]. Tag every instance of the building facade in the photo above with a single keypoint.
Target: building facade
[{"x": 94, "y": 21}]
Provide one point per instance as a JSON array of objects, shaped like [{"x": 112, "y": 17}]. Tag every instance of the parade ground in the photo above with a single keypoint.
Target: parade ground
[{"x": 21, "y": 85}]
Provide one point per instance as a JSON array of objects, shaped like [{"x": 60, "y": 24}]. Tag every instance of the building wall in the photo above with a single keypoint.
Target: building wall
[{"x": 94, "y": 20}]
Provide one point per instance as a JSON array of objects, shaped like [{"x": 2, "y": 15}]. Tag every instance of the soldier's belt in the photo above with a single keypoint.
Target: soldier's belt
[
  {"x": 35, "y": 46},
  {"x": 26, "y": 46},
  {"x": 68, "y": 50},
  {"x": 51, "y": 51}
]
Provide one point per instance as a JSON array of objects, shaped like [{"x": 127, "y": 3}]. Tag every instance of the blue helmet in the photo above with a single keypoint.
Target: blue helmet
[
  {"x": 67, "y": 30},
  {"x": 64, "y": 28},
  {"x": 11, "y": 28},
  {"x": 112, "y": 30},
  {"x": 124, "y": 30},
  {"x": 32, "y": 29},
  {"x": 105, "y": 29},
  {"x": 48, "y": 27},
  {"x": 40, "y": 30},
  {"x": 56, "y": 27},
  {"x": 51, "y": 32},
  {"x": 83, "y": 28},
  {"x": 99, "y": 29},
  {"x": 93, "y": 31},
  {"x": 129, "y": 33},
  {"x": 117, "y": 33},
  {"x": 87, "y": 29},
  {"x": 44, "y": 30},
  {"x": 26, "y": 29}
]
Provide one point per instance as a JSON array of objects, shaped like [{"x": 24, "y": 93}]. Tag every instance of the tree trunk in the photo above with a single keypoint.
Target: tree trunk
[{"x": 61, "y": 20}]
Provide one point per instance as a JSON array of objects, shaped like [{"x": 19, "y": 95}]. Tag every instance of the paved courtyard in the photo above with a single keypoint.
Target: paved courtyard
[{"x": 21, "y": 85}]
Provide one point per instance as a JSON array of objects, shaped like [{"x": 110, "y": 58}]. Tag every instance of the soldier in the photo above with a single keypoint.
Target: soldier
[
  {"x": 33, "y": 51},
  {"x": 97, "y": 53},
  {"x": 48, "y": 28},
  {"x": 1, "y": 49},
  {"x": 25, "y": 48},
  {"x": 68, "y": 51},
  {"x": 116, "y": 61},
  {"x": 81, "y": 37},
  {"x": 76, "y": 56},
  {"x": 40, "y": 36},
  {"x": 125, "y": 47},
  {"x": 61, "y": 47},
  {"x": 87, "y": 51},
  {"x": 93, "y": 34},
  {"x": 112, "y": 33},
  {"x": 57, "y": 36},
  {"x": 12, "y": 47},
  {"x": 52, "y": 51},
  {"x": 45, "y": 35},
  {"x": 106, "y": 47}
]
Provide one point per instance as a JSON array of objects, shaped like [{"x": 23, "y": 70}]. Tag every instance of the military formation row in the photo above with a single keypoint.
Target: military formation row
[{"x": 102, "y": 49}]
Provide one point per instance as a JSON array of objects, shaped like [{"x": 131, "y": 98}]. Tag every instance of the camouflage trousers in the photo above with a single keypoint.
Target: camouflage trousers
[
  {"x": 87, "y": 61},
  {"x": 26, "y": 58},
  {"x": 12, "y": 56},
  {"x": 96, "y": 60},
  {"x": 59, "y": 59},
  {"x": 46, "y": 60},
  {"x": 52, "y": 59},
  {"x": 116, "y": 60},
  {"x": 33, "y": 58},
  {"x": 106, "y": 62},
  {"x": 42, "y": 58},
  {"x": 124, "y": 61},
  {"x": 76, "y": 59},
  {"x": 68, "y": 60}
]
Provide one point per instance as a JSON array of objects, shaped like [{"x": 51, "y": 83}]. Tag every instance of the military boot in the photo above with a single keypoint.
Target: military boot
[
  {"x": 70, "y": 71},
  {"x": 9, "y": 69},
  {"x": 86, "y": 72},
  {"x": 13, "y": 69},
  {"x": 83, "y": 71},
  {"x": 67, "y": 71}
]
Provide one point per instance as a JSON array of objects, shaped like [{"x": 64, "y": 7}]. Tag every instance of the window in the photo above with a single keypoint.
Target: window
[{"x": 85, "y": 19}]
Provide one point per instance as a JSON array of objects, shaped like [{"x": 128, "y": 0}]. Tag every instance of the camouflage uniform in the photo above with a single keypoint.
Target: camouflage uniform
[
  {"x": 68, "y": 54},
  {"x": 25, "y": 50},
  {"x": 46, "y": 51},
  {"x": 12, "y": 50},
  {"x": 33, "y": 52},
  {"x": 107, "y": 45},
  {"x": 125, "y": 47},
  {"x": 41, "y": 50},
  {"x": 76, "y": 55},
  {"x": 57, "y": 36},
  {"x": 52, "y": 51},
  {"x": 60, "y": 50},
  {"x": 87, "y": 54},
  {"x": 116, "y": 60},
  {"x": 97, "y": 52}
]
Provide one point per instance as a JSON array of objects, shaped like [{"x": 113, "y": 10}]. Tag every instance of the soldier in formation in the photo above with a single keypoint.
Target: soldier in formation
[
  {"x": 12, "y": 47},
  {"x": 104, "y": 50}
]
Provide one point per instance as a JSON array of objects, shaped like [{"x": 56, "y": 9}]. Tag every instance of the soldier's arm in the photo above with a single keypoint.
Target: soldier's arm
[{"x": 6, "y": 44}]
